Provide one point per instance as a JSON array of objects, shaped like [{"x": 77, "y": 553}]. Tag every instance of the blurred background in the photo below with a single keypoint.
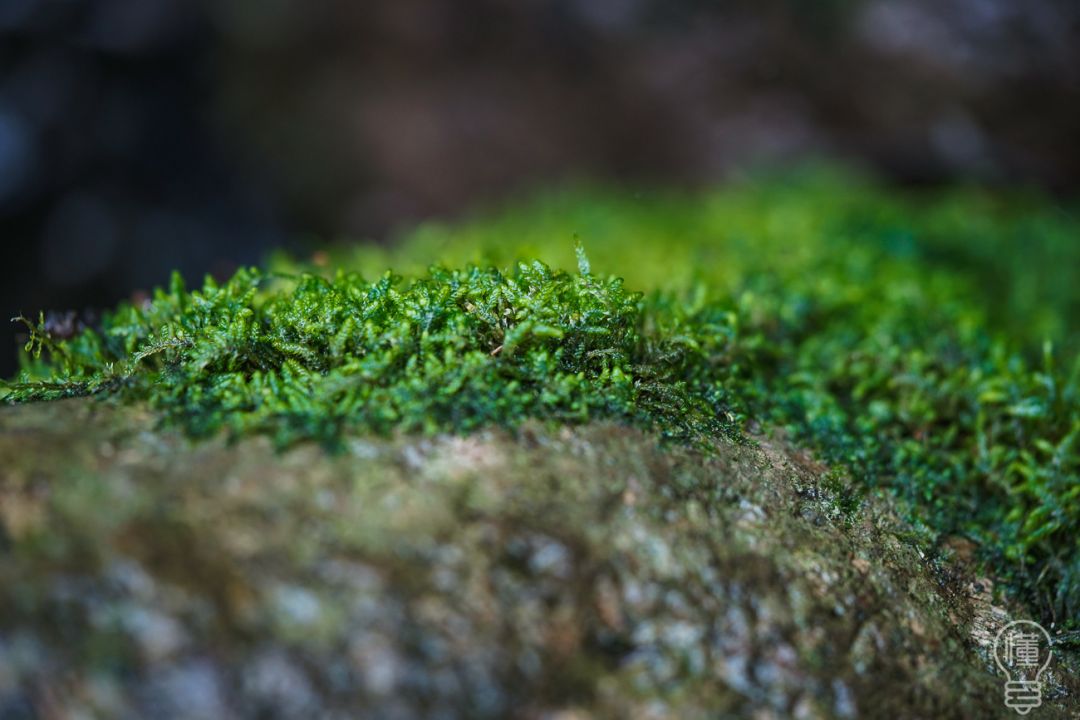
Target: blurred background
[{"x": 138, "y": 136}]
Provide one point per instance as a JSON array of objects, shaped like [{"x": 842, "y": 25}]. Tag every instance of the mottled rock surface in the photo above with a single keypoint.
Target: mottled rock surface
[{"x": 569, "y": 573}]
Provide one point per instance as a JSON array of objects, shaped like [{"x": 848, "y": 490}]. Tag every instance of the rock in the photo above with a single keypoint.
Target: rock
[{"x": 575, "y": 573}]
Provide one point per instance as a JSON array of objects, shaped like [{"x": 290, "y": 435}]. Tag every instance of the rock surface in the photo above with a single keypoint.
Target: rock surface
[{"x": 569, "y": 573}]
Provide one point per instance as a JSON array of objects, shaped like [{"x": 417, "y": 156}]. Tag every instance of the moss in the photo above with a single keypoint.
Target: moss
[
  {"x": 908, "y": 340},
  {"x": 304, "y": 357}
]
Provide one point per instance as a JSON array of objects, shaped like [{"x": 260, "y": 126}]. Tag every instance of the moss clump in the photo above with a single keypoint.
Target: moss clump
[
  {"x": 304, "y": 357},
  {"x": 871, "y": 328}
]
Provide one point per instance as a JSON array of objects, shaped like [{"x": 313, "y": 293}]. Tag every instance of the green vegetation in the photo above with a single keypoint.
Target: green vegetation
[
  {"x": 910, "y": 340},
  {"x": 306, "y": 357}
]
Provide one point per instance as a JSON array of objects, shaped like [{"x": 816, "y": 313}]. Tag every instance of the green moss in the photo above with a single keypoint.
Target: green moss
[
  {"x": 306, "y": 357},
  {"x": 907, "y": 339}
]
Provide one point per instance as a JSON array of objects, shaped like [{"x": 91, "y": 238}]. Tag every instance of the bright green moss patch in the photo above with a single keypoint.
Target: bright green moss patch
[
  {"x": 910, "y": 340},
  {"x": 305, "y": 357}
]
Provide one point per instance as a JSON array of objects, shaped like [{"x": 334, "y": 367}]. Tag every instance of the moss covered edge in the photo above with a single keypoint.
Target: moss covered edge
[{"x": 862, "y": 325}]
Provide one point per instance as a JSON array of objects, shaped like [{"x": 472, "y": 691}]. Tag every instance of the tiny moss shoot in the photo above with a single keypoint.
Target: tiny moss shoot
[{"x": 909, "y": 341}]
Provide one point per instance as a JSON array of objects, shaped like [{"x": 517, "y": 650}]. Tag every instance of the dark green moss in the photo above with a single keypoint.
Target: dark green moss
[{"x": 867, "y": 328}]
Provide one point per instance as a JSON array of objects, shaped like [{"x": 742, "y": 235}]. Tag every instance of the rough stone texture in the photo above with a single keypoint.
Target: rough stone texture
[{"x": 563, "y": 574}]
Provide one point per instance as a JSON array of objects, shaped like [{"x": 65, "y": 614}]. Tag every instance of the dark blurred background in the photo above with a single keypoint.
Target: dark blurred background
[{"x": 141, "y": 135}]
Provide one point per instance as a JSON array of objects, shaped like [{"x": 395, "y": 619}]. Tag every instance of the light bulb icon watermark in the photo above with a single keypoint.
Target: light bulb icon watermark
[{"x": 1022, "y": 652}]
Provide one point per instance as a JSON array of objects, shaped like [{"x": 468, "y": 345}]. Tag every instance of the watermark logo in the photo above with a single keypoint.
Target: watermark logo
[{"x": 1022, "y": 651}]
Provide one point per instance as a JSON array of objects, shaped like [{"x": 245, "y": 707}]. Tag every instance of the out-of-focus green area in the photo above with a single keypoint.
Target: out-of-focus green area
[{"x": 1014, "y": 255}]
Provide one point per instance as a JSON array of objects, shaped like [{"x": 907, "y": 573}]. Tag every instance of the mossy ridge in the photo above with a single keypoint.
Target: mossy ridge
[
  {"x": 860, "y": 343},
  {"x": 1012, "y": 257},
  {"x": 304, "y": 357}
]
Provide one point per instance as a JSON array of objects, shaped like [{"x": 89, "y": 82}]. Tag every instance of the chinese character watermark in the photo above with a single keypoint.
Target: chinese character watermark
[{"x": 1022, "y": 651}]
